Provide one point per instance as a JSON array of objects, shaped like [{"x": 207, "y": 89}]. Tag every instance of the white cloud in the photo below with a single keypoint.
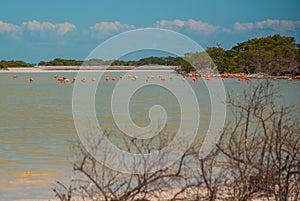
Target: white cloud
[
  {"x": 106, "y": 28},
  {"x": 178, "y": 23},
  {"x": 201, "y": 27},
  {"x": 5, "y": 27},
  {"x": 38, "y": 26},
  {"x": 276, "y": 25},
  {"x": 65, "y": 28},
  {"x": 10, "y": 29},
  {"x": 16, "y": 31},
  {"x": 60, "y": 29},
  {"x": 174, "y": 25},
  {"x": 190, "y": 25}
]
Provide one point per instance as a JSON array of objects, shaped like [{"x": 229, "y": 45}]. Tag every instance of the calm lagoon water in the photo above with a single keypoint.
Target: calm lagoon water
[{"x": 37, "y": 128}]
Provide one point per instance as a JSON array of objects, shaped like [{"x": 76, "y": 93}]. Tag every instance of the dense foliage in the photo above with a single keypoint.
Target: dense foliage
[
  {"x": 274, "y": 55},
  {"x": 12, "y": 64},
  {"x": 93, "y": 62},
  {"x": 168, "y": 61},
  {"x": 61, "y": 62},
  {"x": 148, "y": 61}
]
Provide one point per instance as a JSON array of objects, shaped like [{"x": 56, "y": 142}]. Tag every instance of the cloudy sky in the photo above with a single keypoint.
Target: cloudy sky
[{"x": 35, "y": 30}]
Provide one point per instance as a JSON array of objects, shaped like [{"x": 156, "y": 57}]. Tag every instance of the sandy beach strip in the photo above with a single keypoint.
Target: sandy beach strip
[{"x": 62, "y": 69}]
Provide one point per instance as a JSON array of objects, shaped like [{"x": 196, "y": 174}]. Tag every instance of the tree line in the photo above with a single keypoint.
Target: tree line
[
  {"x": 167, "y": 61},
  {"x": 273, "y": 55},
  {"x": 11, "y": 64}
]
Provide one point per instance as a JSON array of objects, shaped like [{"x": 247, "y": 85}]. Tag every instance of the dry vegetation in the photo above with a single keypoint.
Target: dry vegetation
[{"x": 257, "y": 157}]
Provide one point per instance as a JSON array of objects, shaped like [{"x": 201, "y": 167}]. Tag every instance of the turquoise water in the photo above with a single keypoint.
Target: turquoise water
[{"x": 37, "y": 128}]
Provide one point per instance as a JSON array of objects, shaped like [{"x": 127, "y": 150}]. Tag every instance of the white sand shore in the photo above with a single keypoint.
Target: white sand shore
[{"x": 63, "y": 69}]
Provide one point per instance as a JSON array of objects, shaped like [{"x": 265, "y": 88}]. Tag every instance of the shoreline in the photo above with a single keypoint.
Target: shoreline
[
  {"x": 76, "y": 70},
  {"x": 121, "y": 69}
]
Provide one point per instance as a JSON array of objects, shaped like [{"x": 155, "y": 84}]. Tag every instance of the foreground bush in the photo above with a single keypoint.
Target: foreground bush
[{"x": 258, "y": 156}]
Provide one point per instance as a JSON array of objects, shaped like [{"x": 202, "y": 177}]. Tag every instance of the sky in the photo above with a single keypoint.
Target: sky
[{"x": 35, "y": 30}]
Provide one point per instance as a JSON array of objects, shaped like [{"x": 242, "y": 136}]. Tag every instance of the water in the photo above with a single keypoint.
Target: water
[{"x": 37, "y": 128}]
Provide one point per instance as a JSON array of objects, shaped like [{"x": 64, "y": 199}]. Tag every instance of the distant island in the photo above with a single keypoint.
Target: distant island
[{"x": 273, "y": 55}]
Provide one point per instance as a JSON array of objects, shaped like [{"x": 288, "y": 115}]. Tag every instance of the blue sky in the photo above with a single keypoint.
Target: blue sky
[{"x": 35, "y": 30}]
